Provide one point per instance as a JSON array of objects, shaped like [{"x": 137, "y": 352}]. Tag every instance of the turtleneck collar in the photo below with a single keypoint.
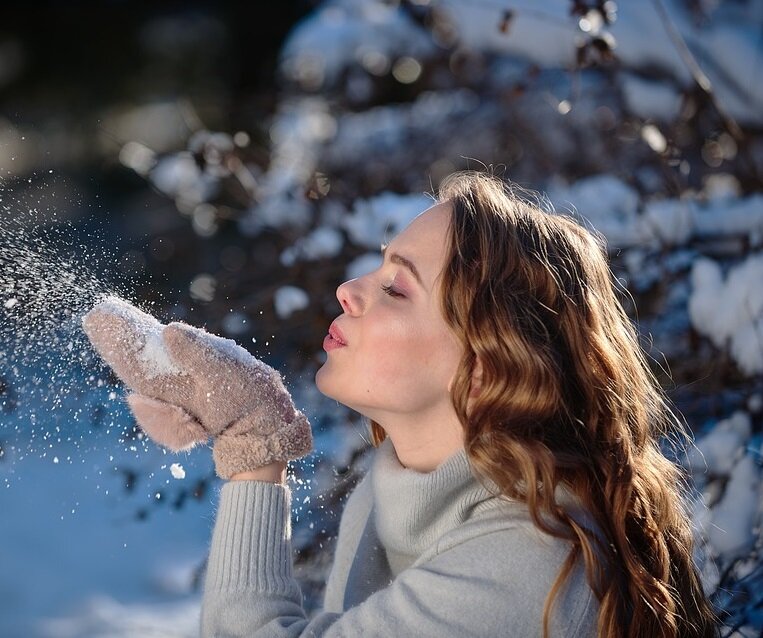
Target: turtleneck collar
[{"x": 413, "y": 509}]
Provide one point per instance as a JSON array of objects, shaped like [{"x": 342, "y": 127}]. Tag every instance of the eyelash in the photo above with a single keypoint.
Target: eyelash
[{"x": 391, "y": 291}]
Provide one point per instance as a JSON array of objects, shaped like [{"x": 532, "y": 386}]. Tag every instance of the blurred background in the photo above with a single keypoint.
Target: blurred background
[{"x": 229, "y": 165}]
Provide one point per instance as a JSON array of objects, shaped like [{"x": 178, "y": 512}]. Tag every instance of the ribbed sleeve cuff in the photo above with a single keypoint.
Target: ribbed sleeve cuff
[{"x": 251, "y": 542}]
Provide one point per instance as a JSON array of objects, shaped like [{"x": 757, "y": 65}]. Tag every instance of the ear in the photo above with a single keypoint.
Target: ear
[{"x": 476, "y": 379}]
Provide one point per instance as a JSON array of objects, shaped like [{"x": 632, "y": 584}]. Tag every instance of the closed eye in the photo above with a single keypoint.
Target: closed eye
[{"x": 391, "y": 291}]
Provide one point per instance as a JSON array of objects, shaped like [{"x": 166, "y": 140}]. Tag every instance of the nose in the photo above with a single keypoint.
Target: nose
[{"x": 349, "y": 297}]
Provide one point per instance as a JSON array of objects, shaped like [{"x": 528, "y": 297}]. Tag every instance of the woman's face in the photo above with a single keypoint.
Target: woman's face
[{"x": 400, "y": 356}]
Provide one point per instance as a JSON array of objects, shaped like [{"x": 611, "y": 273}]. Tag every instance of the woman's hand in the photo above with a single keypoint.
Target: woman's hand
[{"x": 190, "y": 385}]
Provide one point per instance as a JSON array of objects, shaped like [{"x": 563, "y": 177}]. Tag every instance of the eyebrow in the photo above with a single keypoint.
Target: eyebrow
[{"x": 396, "y": 258}]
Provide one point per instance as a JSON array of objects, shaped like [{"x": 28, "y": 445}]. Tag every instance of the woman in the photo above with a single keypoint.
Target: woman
[{"x": 517, "y": 486}]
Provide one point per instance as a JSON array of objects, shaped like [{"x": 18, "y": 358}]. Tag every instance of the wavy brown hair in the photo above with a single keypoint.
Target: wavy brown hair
[{"x": 567, "y": 398}]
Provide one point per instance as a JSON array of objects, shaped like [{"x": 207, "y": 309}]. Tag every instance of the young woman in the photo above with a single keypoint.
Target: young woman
[{"x": 517, "y": 486}]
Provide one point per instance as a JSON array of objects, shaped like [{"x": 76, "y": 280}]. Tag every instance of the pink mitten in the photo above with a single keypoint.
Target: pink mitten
[{"x": 191, "y": 385}]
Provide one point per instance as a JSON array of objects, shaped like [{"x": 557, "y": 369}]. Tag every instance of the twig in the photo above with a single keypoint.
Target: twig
[{"x": 702, "y": 81}]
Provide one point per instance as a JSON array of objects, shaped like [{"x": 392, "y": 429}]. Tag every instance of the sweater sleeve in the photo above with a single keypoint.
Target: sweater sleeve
[{"x": 471, "y": 589}]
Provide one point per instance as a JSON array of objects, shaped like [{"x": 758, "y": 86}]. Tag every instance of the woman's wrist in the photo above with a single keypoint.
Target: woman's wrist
[{"x": 272, "y": 473}]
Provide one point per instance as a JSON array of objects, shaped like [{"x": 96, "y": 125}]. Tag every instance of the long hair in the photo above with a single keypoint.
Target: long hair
[{"x": 567, "y": 398}]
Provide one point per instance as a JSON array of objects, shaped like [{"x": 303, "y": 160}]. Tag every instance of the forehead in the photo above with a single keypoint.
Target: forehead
[
  {"x": 427, "y": 225},
  {"x": 425, "y": 240}
]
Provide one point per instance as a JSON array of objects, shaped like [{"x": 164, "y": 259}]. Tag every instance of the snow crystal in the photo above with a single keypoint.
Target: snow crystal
[
  {"x": 290, "y": 299},
  {"x": 148, "y": 339},
  {"x": 144, "y": 322},
  {"x": 10, "y": 303},
  {"x": 731, "y": 311},
  {"x": 155, "y": 357},
  {"x": 226, "y": 348},
  {"x": 177, "y": 471}
]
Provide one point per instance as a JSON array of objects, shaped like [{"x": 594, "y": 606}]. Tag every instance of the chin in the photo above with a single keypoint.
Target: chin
[
  {"x": 318, "y": 378},
  {"x": 331, "y": 393},
  {"x": 320, "y": 383}
]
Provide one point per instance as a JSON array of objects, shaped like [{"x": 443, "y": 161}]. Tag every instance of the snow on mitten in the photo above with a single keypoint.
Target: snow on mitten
[{"x": 191, "y": 385}]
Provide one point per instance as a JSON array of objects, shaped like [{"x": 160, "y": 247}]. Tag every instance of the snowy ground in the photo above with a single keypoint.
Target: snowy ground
[{"x": 77, "y": 544}]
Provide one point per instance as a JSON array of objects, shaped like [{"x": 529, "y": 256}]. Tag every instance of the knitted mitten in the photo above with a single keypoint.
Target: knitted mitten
[{"x": 190, "y": 385}]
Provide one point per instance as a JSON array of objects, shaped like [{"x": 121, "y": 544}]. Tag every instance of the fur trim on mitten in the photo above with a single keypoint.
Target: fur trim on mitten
[
  {"x": 167, "y": 424},
  {"x": 235, "y": 453}
]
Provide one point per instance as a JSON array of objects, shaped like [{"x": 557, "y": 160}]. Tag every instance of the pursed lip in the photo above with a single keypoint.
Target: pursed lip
[{"x": 336, "y": 334}]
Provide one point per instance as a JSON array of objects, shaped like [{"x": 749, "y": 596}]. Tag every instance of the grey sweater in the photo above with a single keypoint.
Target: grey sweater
[{"x": 418, "y": 554}]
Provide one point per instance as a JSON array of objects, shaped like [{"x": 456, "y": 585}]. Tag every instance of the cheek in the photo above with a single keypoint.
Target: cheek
[{"x": 411, "y": 351}]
